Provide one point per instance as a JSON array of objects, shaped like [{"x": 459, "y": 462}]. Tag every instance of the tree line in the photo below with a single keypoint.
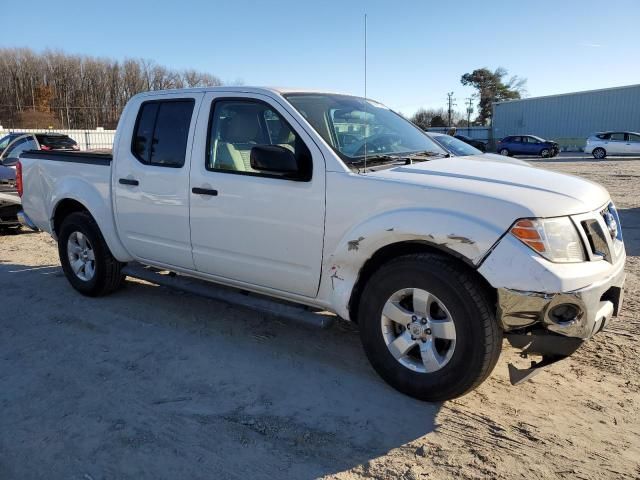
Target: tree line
[
  {"x": 58, "y": 90},
  {"x": 491, "y": 86}
]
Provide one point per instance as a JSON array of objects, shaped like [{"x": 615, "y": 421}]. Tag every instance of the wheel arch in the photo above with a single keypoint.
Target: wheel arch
[
  {"x": 92, "y": 204},
  {"x": 464, "y": 238},
  {"x": 399, "y": 249}
]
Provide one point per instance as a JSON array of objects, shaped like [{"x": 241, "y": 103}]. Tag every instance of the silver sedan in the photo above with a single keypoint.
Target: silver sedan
[{"x": 602, "y": 144}]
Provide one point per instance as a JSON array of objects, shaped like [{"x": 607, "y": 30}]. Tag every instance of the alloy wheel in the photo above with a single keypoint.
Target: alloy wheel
[
  {"x": 418, "y": 330},
  {"x": 81, "y": 256}
]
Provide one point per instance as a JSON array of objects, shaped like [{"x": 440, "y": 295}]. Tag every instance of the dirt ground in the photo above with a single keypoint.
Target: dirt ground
[{"x": 151, "y": 383}]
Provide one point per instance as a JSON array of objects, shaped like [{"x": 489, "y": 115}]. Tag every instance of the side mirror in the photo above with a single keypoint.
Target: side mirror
[{"x": 274, "y": 159}]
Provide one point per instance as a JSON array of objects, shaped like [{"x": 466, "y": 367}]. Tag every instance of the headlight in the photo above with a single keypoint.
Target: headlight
[{"x": 556, "y": 239}]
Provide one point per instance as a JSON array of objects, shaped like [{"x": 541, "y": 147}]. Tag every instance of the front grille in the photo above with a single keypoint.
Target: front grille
[{"x": 597, "y": 239}]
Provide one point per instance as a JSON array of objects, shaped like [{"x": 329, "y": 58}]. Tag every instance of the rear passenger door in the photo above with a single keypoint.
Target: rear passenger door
[
  {"x": 248, "y": 226},
  {"x": 151, "y": 178},
  {"x": 516, "y": 145}
]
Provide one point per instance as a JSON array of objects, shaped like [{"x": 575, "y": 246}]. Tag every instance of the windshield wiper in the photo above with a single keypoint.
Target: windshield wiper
[
  {"x": 427, "y": 153},
  {"x": 377, "y": 160},
  {"x": 404, "y": 158}
]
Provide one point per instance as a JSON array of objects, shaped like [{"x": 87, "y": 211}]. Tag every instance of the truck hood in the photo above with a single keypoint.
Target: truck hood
[{"x": 539, "y": 192}]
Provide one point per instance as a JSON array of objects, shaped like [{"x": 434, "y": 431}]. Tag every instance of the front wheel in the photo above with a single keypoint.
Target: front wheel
[
  {"x": 599, "y": 153},
  {"x": 545, "y": 153},
  {"x": 85, "y": 257},
  {"x": 428, "y": 327},
  {"x": 504, "y": 152}
]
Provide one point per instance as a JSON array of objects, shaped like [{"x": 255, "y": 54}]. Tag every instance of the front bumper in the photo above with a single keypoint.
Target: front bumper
[{"x": 594, "y": 305}]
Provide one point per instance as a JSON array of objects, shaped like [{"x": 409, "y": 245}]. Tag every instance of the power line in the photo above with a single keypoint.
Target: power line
[
  {"x": 450, "y": 104},
  {"x": 469, "y": 104}
]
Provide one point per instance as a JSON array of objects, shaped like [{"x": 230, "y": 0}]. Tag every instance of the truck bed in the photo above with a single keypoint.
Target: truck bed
[{"x": 81, "y": 176}]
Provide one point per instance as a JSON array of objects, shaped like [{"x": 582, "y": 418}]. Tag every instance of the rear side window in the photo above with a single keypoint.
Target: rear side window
[
  {"x": 56, "y": 141},
  {"x": 604, "y": 136},
  {"x": 162, "y": 131},
  {"x": 617, "y": 137}
]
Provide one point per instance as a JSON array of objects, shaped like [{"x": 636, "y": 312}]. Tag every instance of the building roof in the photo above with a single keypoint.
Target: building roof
[{"x": 583, "y": 92}]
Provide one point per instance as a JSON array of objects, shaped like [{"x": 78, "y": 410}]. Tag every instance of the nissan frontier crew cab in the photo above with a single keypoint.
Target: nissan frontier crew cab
[{"x": 337, "y": 203}]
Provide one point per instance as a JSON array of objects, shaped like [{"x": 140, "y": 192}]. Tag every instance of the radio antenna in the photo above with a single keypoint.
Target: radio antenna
[{"x": 366, "y": 120}]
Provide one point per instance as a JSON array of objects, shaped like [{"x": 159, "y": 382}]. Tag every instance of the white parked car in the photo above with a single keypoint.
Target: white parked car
[
  {"x": 613, "y": 143},
  {"x": 337, "y": 203}
]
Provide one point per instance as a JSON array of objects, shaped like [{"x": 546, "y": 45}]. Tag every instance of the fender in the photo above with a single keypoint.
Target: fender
[
  {"x": 463, "y": 236},
  {"x": 97, "y": 204}
]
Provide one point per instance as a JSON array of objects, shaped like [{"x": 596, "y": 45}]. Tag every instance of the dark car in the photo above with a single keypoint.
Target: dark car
[
  {"x": 9, "y": 206},
  {"x": 7, "y": 139},
  {"x": 527, "y": 145},
  {"x": 479, "y": 144},
  {"x": 35, "y": 141}
]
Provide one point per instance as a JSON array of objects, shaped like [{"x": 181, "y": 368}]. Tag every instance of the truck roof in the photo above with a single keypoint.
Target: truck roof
[{"x": 242, "y": 89}]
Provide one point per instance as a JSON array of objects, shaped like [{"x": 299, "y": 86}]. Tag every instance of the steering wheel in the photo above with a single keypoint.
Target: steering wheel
[{"x": 379, "y": 143}]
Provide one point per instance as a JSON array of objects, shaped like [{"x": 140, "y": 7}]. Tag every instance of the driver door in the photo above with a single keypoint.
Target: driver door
[{"x": 248, "y": 226}]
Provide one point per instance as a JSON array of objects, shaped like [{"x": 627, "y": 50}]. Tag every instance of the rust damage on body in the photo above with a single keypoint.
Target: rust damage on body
[
  {"x": 334, "y": 276},
  {"x": 460, "y": 239},
  {"x": 355, "y": 244}
]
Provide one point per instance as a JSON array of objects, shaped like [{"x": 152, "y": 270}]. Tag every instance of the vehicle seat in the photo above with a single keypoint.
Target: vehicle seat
[{"x": 238, "y": 135}]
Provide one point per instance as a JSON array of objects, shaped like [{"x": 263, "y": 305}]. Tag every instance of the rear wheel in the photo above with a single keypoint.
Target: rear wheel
[
  {"x": 599, "y": 153},
  {"x": 428, "y": 327},
  {"x": 504, "y": 152},
  {"x": 85, "y": 257}
]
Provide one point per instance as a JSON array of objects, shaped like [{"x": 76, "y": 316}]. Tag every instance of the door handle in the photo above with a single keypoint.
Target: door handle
[
  {"x": 129, "y": 181},
  {"x": 205, "y": 191}
]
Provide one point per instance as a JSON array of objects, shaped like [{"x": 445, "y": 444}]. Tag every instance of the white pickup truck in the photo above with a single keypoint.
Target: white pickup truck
[{"x": 339, "y": 204}]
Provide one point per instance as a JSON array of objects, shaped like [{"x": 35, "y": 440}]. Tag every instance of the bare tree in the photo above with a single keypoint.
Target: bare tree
[{"x": 55, "y": 89}]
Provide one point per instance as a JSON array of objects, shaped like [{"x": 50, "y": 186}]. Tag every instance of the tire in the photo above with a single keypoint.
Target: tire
[
  {"x": 102, "y": 275},
  {"x": 599, "y": 153},
  {"x": 545, "y": 153},
  {"x": 505, "y": 152},
  {"x": 478, "y": 338}
]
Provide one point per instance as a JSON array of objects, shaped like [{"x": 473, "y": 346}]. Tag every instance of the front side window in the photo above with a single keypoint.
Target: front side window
[
  {"x": 355, "y": 127},
  {"x": 238, "y": 126},
  {"x": 162, "y": 132}
]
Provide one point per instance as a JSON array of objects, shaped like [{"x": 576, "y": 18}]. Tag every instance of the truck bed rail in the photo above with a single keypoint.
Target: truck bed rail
[{"x": 92, "y": 158}]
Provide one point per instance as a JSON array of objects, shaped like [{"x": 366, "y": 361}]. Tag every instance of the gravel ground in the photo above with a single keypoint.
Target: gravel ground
[{"x": 151, "y": 383}]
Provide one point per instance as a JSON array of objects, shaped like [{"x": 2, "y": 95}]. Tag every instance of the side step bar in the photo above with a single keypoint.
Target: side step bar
[{"x": 289, "y": 311}]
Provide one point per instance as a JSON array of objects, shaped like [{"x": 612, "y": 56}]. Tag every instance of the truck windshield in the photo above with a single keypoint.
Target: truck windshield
[{"x": 353, "y": 125}]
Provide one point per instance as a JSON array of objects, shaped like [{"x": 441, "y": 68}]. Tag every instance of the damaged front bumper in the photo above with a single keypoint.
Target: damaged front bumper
[{"x": 555, "y": 325}]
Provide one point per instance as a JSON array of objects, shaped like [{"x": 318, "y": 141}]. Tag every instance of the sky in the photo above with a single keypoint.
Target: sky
[{"x": 417, "y": 50}]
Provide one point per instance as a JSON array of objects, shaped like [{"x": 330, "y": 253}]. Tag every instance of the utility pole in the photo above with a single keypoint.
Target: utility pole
[
  {"x": 450, "y": 105},
  {"x": 469, "y": 104}
]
